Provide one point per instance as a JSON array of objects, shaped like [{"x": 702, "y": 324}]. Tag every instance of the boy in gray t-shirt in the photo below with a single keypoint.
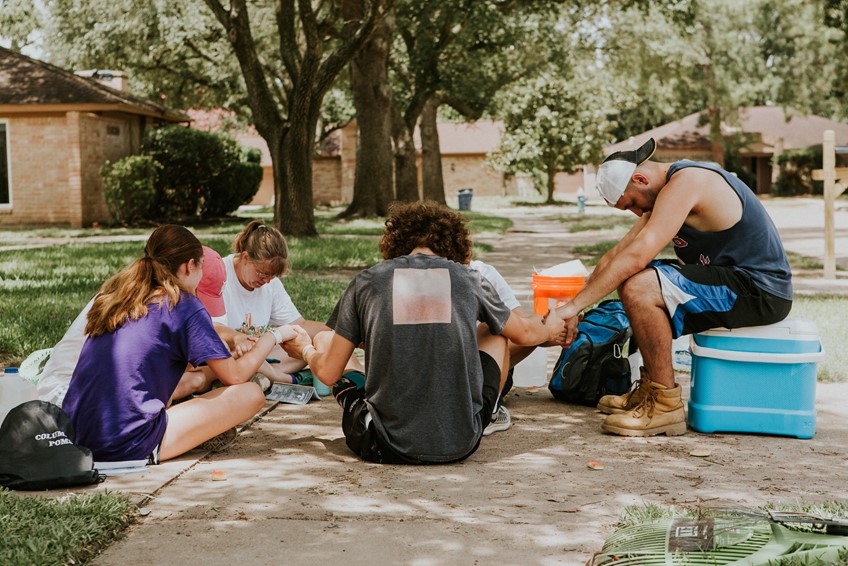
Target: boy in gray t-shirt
[{"x": 433, "y": 375}]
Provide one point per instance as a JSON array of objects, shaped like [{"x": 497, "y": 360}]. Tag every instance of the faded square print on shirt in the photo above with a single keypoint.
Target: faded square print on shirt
[{"x": 421, "y": 296}]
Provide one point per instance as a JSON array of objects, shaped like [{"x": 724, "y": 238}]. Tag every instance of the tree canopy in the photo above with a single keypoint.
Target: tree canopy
[
  {"x": 564, "y": 77},
  {"x": 278, "y": 61}
]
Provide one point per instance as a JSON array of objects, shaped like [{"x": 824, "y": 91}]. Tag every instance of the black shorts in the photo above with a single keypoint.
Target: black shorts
[
  {"x": 700, "y": 297},
  {"x": 361, "y": 435}
]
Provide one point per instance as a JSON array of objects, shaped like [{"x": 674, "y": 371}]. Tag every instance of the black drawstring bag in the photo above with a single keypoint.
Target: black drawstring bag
[{"x": 37, "y": 450}]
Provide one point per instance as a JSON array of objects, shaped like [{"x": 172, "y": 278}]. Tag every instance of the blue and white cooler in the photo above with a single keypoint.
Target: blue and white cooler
[{"x": 760, "y": 379}]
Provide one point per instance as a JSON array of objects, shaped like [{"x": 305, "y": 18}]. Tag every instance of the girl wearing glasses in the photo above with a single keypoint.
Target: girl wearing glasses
[{"x": 255, "y": 297}]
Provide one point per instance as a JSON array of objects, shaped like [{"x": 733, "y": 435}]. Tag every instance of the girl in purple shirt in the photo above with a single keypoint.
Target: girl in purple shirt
[{"x": 144, "y": 327}]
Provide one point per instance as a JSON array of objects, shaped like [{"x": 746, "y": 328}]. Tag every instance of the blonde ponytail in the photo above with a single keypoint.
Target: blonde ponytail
[{"x": 152, "y": 278}]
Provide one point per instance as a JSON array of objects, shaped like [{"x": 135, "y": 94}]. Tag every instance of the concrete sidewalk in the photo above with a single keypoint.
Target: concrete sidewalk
[{"x": 295, "y": 494}]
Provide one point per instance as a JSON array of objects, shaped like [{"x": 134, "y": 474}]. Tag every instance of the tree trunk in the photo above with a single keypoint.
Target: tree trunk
[
  {"x": 293, "y": 212},
  {"x": 714, "y": 113},
  {"x": 431, "y": 155},
  {"x": 716, "y": 136},
  {"x": 310, "y": 71},
  {"x": 406, "y": 168},
  {"x": 552, "y": 172},
  {"x": 372, "y": 98}
]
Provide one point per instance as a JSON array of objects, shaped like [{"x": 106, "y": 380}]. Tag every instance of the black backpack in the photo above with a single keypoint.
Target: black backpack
[
  {"x": 37, "y": 450},
  {"x": 595, "y": 364}
]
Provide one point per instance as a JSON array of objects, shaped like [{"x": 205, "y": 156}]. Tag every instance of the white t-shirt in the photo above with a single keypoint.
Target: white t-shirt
[
  {"x": 498, "y": 282},
  {"x": 57, "y": 373},
  {"x": 269, "y": 303}
]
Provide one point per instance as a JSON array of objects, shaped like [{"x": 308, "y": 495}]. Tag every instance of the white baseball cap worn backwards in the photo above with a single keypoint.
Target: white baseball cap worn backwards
[{"x": 615, "y": 171}]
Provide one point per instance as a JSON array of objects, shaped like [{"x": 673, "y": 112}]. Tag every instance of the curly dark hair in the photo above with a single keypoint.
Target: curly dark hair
[{"x": 426, "y": 224}]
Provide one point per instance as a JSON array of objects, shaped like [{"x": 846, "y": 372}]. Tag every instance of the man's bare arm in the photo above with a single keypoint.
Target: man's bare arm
[
  {"x": 670, "y": 212},
  {"x": 622, "y": 244}
]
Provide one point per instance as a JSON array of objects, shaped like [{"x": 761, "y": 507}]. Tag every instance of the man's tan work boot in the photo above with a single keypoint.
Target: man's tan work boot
[
  {"x": 617, "y": 404},
  {"x": 660, "y": 412}
]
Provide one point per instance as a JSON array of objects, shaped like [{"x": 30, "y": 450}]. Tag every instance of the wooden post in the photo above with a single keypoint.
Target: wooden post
[
  {"x": 829, "y": 170},
  {"x": 835, "y": 183}
]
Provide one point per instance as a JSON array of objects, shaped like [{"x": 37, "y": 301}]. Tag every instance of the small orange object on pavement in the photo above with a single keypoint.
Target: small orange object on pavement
[
  {"x": 219, "y": 476},
  {"x": 594, "y": 465}
]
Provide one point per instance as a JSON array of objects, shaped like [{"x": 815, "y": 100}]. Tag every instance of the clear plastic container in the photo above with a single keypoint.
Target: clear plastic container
[
  {"x": 532, "y": 371},
  {"x": 14, "y": 390}
]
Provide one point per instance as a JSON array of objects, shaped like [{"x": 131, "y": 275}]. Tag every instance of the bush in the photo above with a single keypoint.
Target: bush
[
  {"x": 129, "y": 188},
  {"x": 796, "y": 172},
  {"x": 235, "y": 186},
  {"x": 198, "y": 170}
]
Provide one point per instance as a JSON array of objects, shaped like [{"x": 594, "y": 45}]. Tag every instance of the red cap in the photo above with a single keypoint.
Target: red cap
[{"x": 211, "y": 286}]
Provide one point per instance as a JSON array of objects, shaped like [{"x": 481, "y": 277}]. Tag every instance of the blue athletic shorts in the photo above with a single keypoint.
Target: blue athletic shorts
[{"x": 700, "y": 297}]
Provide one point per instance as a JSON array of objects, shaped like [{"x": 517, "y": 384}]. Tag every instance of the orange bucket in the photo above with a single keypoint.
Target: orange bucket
[{"x": 551, "y": 292}]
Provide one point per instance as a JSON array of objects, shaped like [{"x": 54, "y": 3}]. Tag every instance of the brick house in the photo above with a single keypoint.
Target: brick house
[
  {"x": 772, "y": 132},
  {"x": 56, "y": 130},
  {"x": 464, "y": 147}
]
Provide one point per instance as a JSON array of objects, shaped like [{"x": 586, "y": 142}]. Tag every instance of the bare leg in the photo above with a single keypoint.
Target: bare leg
[
  {"x": 518, "y": 353},
  {"x": 204, "y": 417},
  {"x": 495, "y": 346},
  {"x": 646, "y": 310},
  {"x": 322, "y": 341},
  {"x": 270, "y": 371},
  {"x": 193, "y": 381}
]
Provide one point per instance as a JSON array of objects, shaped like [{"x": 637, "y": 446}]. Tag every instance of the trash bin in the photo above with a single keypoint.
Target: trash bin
[{"x": 465, "y": 198}]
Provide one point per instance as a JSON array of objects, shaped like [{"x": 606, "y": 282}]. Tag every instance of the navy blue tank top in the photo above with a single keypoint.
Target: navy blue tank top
[{"x": 752, "y": 245}]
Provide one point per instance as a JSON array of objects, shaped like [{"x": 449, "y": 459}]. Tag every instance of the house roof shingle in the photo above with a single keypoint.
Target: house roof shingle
[
  {"x": 769, "y": 121},
  {"x": 29, "y": 82}
]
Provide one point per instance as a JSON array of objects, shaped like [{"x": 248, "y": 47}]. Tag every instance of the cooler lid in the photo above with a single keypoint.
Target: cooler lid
[{"x": 787, "y": 329}]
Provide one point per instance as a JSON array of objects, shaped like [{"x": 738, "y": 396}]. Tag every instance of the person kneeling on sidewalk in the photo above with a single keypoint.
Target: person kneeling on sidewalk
[
  {"x": 731, "y": 271},
  {"x": 432, "y": 377}
]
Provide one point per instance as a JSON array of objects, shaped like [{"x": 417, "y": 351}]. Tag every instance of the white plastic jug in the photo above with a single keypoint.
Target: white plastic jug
[
  {"x": 14, "y": 390},
  {"x": 681, "y": 357},
  {"x": 532, "y": 371},
  {"x": 635, "y": 360}
]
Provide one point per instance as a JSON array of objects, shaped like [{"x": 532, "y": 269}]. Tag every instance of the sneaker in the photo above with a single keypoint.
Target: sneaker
[
  {"x": 220, "y": 442},
  {"x": 500, "y": 421},
  {"x": 262, "y": 381}
]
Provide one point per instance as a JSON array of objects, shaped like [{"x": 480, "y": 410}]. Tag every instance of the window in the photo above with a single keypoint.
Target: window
[{"x": 5, "y": 181}]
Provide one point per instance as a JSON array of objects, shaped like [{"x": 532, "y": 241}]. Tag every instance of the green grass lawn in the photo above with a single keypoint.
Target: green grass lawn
[
  {"x": 830, "y": 313},
  {"x": 69, "y": 530},
  {"x": 43, "y": 289},
  {"x": 326, "y": 223}
]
